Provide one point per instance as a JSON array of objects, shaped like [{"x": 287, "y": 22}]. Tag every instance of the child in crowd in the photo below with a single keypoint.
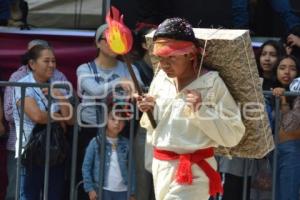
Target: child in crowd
[
  {"x": 268, "y": 56},
  {"x": 288, "y": 164},
  {"x": 96, "y": 79},
  {"x": 116, "y": 160}
]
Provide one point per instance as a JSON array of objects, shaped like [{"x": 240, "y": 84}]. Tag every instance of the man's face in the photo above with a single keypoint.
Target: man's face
[{"x": 174, "y": 65}]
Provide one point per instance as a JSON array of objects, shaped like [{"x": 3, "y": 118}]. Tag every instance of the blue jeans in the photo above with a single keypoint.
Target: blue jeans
[
  {"x": 283, "y": 8},
  {"x": 288, "y": 170},
  {"x": 11, "y": 172},
  {"x": 109, "y": 195},
  {"x": 32, "y": 182}
]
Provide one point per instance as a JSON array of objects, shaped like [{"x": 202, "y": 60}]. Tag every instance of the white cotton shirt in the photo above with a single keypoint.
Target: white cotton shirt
[
  {"x": 115, "y": 181},
  {"x": 179, "y": 129}
]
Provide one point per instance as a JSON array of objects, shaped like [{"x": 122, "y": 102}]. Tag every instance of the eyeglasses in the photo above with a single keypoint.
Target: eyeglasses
[{"x": 167, "y": 60}]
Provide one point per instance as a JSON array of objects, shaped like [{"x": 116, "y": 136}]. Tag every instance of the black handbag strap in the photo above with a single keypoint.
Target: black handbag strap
[
  {"x": 19, "y": 111},
  {"x": 41, "y": 98},
  {"x": 93, "y": 68}
]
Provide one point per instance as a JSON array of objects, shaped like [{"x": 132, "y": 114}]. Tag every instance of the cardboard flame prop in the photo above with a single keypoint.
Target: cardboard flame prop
[
  {"x": 119, "y": 39},
  {"x": 118, "y": 36}
]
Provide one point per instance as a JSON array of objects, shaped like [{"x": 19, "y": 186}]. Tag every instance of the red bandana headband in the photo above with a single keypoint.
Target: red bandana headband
[{"x": 166, "y": 48}]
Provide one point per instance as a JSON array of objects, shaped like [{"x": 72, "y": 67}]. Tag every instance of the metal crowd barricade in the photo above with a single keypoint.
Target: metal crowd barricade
[
  {"x": 101, "y": 131},
  {"x": 23, "y": 87},
  {"x": 73, "y": 185},
  {"x": 276, "y": 139}
]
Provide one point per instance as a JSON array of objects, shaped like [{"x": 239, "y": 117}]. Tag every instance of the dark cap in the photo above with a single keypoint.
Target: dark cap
[{"x": 176, "y": 28}]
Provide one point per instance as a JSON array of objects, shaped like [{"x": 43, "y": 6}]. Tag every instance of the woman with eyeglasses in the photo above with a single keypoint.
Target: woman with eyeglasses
[{"x": 96, "y": 79}]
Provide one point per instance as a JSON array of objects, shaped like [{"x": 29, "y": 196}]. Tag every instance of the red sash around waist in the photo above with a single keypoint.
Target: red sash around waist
[{"x": 184, "y": 170}]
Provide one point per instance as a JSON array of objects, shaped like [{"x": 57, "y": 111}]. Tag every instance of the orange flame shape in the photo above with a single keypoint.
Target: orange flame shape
[{"x": 118, "y": 35}]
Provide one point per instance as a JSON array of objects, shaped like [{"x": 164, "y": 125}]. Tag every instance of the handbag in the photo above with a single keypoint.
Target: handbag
[{"x": 35, "y": 150}]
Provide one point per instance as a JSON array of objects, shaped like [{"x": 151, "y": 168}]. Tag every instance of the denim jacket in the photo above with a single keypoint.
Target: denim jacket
[{"x": 91, "y": 164}]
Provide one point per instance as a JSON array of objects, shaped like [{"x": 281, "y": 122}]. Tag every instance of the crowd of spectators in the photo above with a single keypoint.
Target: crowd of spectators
[{"x": 278, "y": 66}]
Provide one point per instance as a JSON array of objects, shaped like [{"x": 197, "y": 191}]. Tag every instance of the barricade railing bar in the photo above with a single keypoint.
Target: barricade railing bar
[
  {"x": 277, "y": 119},
  {"x": 101, "y": 131},
  {"x": 73, "y": 185},
  {"x": 23, "y": 87}
]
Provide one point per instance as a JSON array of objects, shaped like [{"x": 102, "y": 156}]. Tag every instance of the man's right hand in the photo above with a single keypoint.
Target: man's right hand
[{"x": 145, "y": 102}]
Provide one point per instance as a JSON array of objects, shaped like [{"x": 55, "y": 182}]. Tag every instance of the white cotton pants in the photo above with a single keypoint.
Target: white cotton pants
[{"x": 166, "y": 188}]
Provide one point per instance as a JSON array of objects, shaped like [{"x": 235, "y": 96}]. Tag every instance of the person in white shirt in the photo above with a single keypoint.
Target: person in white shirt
[{"x": 194, "y": 112}]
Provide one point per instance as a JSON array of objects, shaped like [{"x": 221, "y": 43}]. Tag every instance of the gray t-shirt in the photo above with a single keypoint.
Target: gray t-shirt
[
  {"x": 236, "y": 166},
  {"x": 90, "y": 90}
]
